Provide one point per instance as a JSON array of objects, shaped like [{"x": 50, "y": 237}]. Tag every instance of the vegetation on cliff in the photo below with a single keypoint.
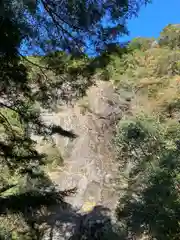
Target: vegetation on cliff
[{"x": 148, "y": 141}]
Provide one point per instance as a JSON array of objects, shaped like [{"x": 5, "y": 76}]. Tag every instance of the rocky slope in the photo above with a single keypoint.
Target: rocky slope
[{"x": 89, "y": 160}]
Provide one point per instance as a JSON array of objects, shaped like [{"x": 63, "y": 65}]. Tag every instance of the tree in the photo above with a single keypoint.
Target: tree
[
  {"x": 70, "y": 24},
  {"x": 141, "y": 43},
  {"x": 170, "y": 36},
  {"x": 149, "y": 156}
]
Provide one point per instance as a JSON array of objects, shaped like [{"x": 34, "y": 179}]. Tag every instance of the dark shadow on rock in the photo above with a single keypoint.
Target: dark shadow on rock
[
  {"x": 96, "y": 225},
  {"x": 63, "y": 132},
  {"x": 69, "y": 224},
  {"x": 32, "y": 203}
]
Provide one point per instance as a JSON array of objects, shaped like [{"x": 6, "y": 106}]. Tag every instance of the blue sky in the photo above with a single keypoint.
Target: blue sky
[{"x": 153, "y": 18}]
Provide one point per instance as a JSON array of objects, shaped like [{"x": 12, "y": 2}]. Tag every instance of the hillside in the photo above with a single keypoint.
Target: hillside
[
  {"x": 147, "y": 141},
  {"x": 119, "y": 155}
]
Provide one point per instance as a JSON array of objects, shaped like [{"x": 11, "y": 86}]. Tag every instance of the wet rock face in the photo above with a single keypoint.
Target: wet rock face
[{"x": 89, "y": 161}]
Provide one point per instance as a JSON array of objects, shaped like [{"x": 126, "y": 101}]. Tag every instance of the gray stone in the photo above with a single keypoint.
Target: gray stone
[{"x": 89, "y": 159}]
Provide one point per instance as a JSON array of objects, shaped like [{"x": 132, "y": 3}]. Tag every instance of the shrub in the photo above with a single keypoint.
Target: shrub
[
  {"x": 170, "y": 36},
  {"x": 141, "y": 43},
  {"x": 149, "y": 206}
]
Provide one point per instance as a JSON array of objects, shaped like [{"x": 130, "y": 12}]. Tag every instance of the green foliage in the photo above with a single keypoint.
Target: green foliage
[
  {"x": 137, "y": 65},
  {"x": 120, "y": 69},
  {"x": 168, "y": 63},
  {"x": 53, "y": 155},
  {"x": 70, "y": 24},
  {"x": 150, "y": 203},
  {"x": 137, "y": 137},
  {"x": 142, "y": 44},
  {"x": 170, "y": 36}
]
